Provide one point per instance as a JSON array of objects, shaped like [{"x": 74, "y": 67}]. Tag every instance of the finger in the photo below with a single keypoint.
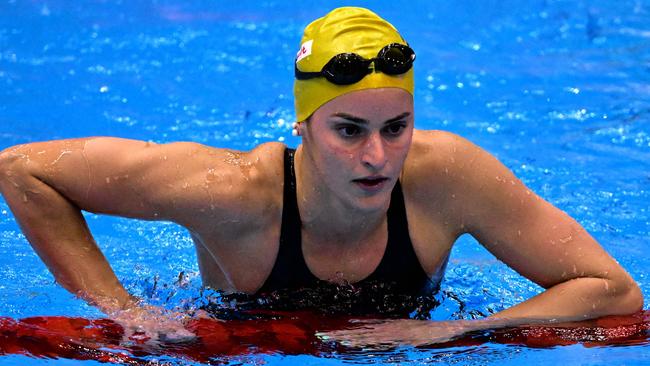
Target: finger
[
  {"x": 346, "y": 337},
  {"x": 177, "y": 337},
  {"x": 368, "y": 321}
]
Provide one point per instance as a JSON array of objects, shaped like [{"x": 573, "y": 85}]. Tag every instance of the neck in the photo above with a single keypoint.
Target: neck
[{"x": 324, "y": 215}]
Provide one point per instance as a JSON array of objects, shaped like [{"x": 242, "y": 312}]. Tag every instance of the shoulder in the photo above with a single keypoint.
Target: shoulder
[
  {"x": 443, "y": 172},
  {"x": 447, "y": 172},
  {"x": 197, "y": 185},
  {"x": 431, "y": 145},
  {"x": 234, "y": 186},
  {"x": 439, "y": 156},
  {"x": 260, "y": 172}
]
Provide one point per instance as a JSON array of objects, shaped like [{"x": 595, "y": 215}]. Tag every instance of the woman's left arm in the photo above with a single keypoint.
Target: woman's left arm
[
  {"x": 483, "y": 198},
  {"x": 540, "y": 242}
]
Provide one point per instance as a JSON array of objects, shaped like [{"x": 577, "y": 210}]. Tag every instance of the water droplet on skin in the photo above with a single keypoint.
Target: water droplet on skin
[
  {"x": 108, "y": 180},
  {"x": 63, "y": 153},
  {"x": 566, "y": 240}
]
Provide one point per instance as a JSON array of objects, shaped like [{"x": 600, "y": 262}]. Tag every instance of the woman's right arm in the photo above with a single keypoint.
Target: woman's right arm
[{"x": 47, "y": 184}]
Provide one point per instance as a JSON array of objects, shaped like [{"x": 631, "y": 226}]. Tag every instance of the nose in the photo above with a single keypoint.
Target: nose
[{"x": 373, "y": 155}]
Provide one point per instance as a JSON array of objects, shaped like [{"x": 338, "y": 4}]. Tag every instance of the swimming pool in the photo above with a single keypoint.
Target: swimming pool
[{"x": 558, "y": 90}]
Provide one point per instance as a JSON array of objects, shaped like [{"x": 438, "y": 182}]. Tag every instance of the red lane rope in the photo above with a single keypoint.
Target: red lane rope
[{"x": 101, "y": 339}]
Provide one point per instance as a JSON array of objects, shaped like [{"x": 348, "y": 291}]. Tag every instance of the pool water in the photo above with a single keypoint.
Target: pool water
[{"x": 557, "y": 90}]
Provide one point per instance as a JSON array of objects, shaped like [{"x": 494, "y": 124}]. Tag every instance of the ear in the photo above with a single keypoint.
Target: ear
[{"x": 298, "y": 129}]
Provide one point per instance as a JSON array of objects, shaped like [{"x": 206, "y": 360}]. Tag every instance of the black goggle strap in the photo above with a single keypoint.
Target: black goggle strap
[{"x": 303, "y": 75}]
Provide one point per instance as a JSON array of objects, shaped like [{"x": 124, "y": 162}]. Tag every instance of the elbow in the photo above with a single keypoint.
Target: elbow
[
  {"x": 13, "y": 164},
  {"x": 630, "y": 300},
  {"x": 4, "y": 158},
  {"x": 635, "y": 298},
  {"x": 4, "y": 166}
]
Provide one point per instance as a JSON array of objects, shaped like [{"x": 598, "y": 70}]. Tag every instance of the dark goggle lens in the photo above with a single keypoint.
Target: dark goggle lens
[
  {"x": 395, "y": 59},
  {"x": 346, "y": 68}
]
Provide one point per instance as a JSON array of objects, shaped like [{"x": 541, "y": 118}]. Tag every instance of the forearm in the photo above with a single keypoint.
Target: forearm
[
  {"x": 58, "y": 233},
  {"x": 577, "y": 299},
  {"x": 574, "y": 300}
]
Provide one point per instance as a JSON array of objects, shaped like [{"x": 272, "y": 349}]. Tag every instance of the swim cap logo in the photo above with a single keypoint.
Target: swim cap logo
[{"x": 305, "y": 50}]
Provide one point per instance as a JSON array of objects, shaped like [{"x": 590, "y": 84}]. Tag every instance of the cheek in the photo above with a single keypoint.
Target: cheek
[
  {"x": 402, "y": 146},
  {"x": 330, "y": 149},
  {"x": 337, "y": 157}
]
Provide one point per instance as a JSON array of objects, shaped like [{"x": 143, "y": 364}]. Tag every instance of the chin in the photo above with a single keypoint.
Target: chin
[{"x": 372, "y": 203}]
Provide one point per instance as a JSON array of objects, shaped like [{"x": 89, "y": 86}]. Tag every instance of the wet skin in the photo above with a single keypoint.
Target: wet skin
[{"x": 354, "y": 149}]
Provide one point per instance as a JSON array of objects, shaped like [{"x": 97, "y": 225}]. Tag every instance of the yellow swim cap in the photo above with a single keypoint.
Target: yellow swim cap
[{"x": 343, "y": 30}]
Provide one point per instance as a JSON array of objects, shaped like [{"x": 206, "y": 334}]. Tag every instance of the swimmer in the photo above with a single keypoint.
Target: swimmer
[{"x": 364, "y": 198}]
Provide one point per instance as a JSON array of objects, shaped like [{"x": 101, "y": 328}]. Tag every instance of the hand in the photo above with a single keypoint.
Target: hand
[
  {"x": 150, "y": 325},
  {"x": 396, "y": 332}
]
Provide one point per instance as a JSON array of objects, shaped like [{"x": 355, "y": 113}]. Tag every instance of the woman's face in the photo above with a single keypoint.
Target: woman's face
[{"x": 358, "y": 142}]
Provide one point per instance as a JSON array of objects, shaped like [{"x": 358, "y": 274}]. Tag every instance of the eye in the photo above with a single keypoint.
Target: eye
[
  {"x": 395, "y": 129},
  {"x": 348, "y": 130}
]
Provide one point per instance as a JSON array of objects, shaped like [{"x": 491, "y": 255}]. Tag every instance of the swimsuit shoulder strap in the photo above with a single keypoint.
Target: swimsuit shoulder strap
[{"x": 290, "y": 269}]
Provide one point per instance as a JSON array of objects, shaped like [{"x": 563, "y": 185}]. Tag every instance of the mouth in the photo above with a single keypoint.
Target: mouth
[{"x": 373, "y": 183}]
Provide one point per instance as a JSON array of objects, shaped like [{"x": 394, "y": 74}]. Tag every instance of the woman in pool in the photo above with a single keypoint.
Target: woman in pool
[{"x": 364, "y": 199}]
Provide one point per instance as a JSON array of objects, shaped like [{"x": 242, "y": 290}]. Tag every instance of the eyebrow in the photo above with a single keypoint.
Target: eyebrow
[{"x": 359, "y": 120}]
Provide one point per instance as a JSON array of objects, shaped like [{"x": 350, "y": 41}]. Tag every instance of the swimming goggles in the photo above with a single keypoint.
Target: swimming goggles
[{"x": 349, "y": 68}]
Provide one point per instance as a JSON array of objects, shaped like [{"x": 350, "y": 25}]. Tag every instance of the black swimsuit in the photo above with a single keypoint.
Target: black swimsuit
[
  {"x": 397, "y": 287},
  {"x": 399, "y": 266}
]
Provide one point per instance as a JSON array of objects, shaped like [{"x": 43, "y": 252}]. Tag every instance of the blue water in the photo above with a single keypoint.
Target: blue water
[{"x": 558, "y": 90}]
